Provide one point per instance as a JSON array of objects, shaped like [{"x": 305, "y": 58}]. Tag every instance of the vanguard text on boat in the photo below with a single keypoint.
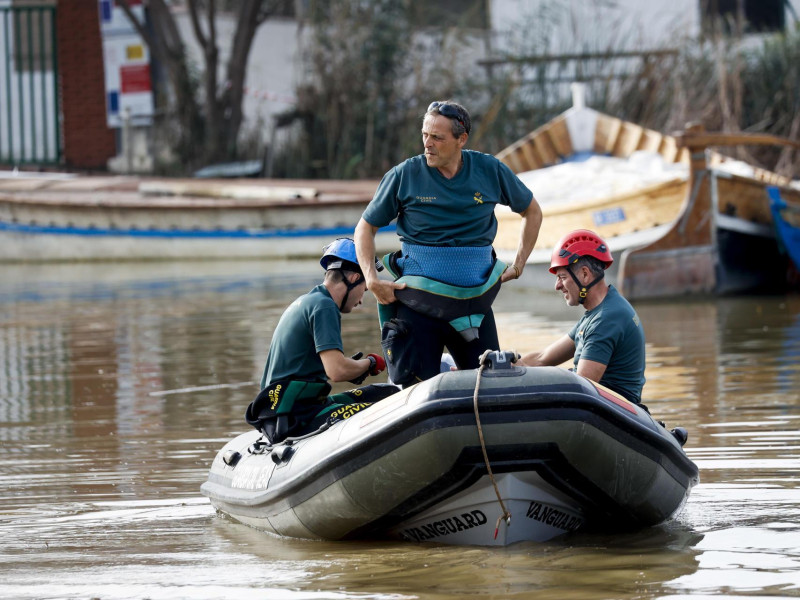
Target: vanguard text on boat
[{"x": 564, "y": 453}]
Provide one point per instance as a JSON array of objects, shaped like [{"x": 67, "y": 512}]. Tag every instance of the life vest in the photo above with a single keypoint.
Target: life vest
[
  {"x": 292, "y": 407},
  {"x": 462, "y": 307},
  {"x": 285, "y": 406}
]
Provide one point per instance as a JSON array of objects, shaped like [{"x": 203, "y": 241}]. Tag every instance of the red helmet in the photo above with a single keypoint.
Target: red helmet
[{"x": 576, "y": 244}]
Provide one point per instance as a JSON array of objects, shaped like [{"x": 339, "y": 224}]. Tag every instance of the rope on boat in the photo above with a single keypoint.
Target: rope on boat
[{"x": 506, "y": 515}]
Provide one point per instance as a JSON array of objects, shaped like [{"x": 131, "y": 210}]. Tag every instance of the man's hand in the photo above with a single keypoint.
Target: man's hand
[
  {"x": 365, "y": 249},
  {"x": 512, "y": 272},
  {"x": 384, "y": 290},
  {"x": 376, "y": 364}
]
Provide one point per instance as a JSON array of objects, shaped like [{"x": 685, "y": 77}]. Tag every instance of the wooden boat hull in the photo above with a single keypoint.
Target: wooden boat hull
[
  {"x": 710, "y": 232},
  {"x": 95, "y": 218},
  {"x": 566, "y": 455}
]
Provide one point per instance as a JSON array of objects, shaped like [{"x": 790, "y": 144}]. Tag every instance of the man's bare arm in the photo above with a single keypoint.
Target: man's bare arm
[
  {"x": 365, "y": 250},
  {"x": 555, "y": 354},
  {"x": 529, "y": 233}
]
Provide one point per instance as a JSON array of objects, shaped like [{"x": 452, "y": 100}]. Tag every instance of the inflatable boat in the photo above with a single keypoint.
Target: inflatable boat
[{"x": 490, "y": 456}]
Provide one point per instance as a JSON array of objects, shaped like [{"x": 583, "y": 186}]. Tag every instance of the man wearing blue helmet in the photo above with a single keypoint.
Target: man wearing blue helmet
[{"x": 306, "y": 353}]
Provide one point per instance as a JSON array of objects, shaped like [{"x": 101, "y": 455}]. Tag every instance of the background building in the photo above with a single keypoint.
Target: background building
[{"x": 58, "y": 108}]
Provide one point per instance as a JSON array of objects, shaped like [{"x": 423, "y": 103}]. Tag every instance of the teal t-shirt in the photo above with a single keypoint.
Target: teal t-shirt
[
  {"x": 611, "y": 334},
  {"x": 435, "y": 211},
  {"x": 310, "y": 325}
]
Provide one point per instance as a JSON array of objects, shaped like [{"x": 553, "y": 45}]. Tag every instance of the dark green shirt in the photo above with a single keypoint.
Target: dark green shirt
[
  {"x": 432, "y": 210},
  {"x": 310, "y": 325},
  {"x": 611, "y": 334}
]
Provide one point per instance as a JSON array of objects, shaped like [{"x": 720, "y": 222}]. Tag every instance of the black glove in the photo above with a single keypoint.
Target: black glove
[{"x": 360, "y": 379}]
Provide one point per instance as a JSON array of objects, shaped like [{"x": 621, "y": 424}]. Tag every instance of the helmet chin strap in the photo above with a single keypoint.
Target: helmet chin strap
[
  {"x": 583, "y": 290},
  {"x": 350, "y": 286}
]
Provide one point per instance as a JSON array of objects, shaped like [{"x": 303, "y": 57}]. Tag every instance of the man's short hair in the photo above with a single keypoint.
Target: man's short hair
[
  {"x": 597, "y": 267},
  {"x": 337, "y": 275},
  {"x": 460, "y": 122}
]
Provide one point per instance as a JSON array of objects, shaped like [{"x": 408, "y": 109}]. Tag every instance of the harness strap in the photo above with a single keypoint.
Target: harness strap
[
  {"x": 350, "y": 287},
  {"x": 463, "y": 307},
  {"x": 583, "y": 290},
  {"x": 270, "y": 411}
]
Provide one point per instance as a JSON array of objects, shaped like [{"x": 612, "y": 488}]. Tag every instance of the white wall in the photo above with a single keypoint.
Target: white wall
[
  {"x": 272, "y": 69},
  {"x": 561, "y": 25}
]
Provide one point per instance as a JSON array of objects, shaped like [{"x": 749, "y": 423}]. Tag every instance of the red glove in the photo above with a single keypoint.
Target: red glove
[{"x": 376, "y": 364}]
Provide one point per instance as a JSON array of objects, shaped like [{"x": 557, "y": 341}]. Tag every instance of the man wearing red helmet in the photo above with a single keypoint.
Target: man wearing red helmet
[
  {"x": 607, "y": 344},
  {"x": 307, "y": 351}
]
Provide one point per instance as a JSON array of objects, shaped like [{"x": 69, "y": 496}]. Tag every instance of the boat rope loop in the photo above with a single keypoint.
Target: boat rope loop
[{"x": 506, "y": 515}]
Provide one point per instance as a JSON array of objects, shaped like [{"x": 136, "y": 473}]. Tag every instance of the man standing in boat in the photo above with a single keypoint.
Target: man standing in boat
[
  {"x": 306, "y": 353},
  {"x": 607, "y": 344},
  {"x": 446, "y": 274}
]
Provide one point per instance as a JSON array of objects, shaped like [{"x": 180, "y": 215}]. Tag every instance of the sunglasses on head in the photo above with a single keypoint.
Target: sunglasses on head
[{"x": 449, "y": 111}]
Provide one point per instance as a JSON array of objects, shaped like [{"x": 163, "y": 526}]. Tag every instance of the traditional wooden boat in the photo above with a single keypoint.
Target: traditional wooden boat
[
  {"x": 46, "y": 217},
  {"x": 679, "y": 217},
  {"x": 544, "y": 448},
  {"x": 787, "y": 225}
]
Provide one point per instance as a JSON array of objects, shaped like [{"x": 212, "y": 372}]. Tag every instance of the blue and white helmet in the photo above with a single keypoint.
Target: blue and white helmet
[{"x": 341, "y": 254}]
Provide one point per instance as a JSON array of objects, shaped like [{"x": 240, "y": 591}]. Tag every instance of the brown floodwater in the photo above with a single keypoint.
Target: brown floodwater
[{"x": 119, "y": 384}]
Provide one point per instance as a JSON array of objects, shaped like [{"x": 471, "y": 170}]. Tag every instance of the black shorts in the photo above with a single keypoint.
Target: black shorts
[{"x": 428, "y": 337}]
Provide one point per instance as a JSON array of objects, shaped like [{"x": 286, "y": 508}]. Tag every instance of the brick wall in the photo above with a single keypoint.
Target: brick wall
[{"x": 88, "y": 141}]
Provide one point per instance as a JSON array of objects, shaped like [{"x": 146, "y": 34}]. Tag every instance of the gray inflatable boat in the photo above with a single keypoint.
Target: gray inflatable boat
[{"x": 549, "y": 452}]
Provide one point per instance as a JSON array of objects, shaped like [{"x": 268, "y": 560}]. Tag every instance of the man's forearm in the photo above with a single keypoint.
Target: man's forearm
[
  {"x": 364, "y": 238},
  {"x": 529, "y": 233}
]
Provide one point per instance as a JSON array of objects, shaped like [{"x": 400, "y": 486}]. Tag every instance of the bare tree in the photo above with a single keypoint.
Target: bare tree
[{"x": 208, "y": 111}]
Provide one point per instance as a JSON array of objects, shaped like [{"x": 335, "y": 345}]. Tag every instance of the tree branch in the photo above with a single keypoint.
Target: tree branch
[{"x": 196, "y": 27}]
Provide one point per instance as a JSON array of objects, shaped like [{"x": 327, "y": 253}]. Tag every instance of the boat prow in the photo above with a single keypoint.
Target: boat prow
[
  {"x": 563, "y": 453},
  {"x": 679, "y": 217}
]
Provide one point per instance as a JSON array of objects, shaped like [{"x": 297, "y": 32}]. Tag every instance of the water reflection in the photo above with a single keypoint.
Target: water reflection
[
  {"x": 119, "y": 385},
  {"x": 593, "y": 566}
]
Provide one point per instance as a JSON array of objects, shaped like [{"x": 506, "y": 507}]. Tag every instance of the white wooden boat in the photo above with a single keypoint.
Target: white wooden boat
[
  {"x": 678, "y": 217},
  {"x": 56, "y": 217}
]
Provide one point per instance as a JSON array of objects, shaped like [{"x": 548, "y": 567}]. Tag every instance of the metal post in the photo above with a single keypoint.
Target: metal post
[
  {"x": 56, "y": 103},
  {"x": 20, "y": 88},
  {"x": 127, "y": 142},
  {"x": 31, "y": 71},
  {"x": 42, "y": 81},
  {"x": 9, "y": 103}
]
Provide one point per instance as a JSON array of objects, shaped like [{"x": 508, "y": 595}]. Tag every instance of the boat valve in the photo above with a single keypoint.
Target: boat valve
[
  {"x": 680, "y": 434},
  {"x": 231, "y": 458},
  {"x": 281, "y": 454}
]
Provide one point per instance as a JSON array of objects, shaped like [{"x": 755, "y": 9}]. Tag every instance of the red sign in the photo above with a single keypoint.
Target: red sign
[{"x": 135, "y": 78}]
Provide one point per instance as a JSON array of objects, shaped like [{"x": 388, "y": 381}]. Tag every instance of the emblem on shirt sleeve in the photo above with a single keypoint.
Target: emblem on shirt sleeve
[{"x": 478, "y": 198}]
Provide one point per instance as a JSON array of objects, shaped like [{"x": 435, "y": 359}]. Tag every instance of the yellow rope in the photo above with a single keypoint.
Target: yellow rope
[{"x": 506, "y": 515}]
